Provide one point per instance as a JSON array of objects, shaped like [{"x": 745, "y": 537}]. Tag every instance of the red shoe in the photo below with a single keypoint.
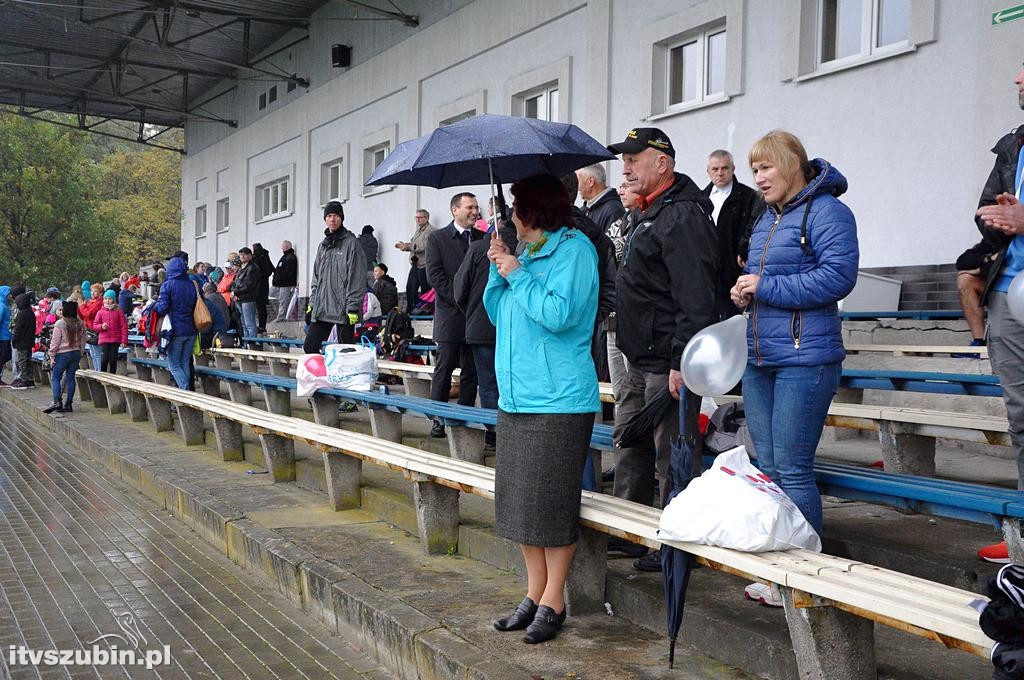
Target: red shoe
[
  {"x": 997, "y": 553},
  {"x": 878, "y": 465}
]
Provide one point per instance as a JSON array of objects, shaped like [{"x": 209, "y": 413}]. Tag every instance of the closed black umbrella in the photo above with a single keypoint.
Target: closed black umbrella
[
  {"x": 676, "y": 565},
  {"x": 637, "y": 430}
]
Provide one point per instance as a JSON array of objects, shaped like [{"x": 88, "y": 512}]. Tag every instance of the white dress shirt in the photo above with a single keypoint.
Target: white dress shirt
[{"x": 718, "y": 197}]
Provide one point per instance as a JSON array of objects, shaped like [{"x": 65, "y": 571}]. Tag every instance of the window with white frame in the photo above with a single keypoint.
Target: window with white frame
[
  {"x": 853, "y": 29},
  {"x": 542, "y": 93},
  {"x": 333, "y": 181},
  {"x": 376, "y": 146},
  {"x": 272, "y": 199},
  {"x": 455, "y": 119},
  {"x": 223, "y": 214},
  {"x": 541, "y": 103},
  {"x": 374, "y": 156},
  {"x": 200, "y": 221},
  {"x": 200, "y": 188},
  {"x": 222, "y": 180},
  {"x": 696, "y": 67}
]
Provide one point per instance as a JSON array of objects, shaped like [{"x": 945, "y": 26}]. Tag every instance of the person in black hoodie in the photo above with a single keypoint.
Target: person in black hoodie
[
  {"x": 23, "y": 339},
  {"x": 372, "y": 249},
  {"x": 286, "y": 280},
  {"x": 385, "y": 288},
  {"x": 664, "y": 295},
  {"x": 261, "y": 258}
]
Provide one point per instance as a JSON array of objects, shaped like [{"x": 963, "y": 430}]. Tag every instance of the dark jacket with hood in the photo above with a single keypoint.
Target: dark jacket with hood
[
  {"x": 370, "y": 248},
  {"x": 261, "y": 258},
  {"x": 665, "y": 291},
  {"x": 1001, "y": 179},
  {"x": 794, "y": 319},
  {"x": 606, "y": 265},
  {"x": 470, "y": 283},
  {"x": 24, "y": 336},
  {"x": 386, "y": 291},
  {"x": 338, "y": 283},
  {"x": 605, "y": 210},
  {"x": 178, "y": 298},
  {"x": 246, "y": 285},
  {"x": 286, "y": 275}
]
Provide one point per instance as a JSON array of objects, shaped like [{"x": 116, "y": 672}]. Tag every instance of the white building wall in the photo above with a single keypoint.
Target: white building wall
[{"x": 911, "y": 132}]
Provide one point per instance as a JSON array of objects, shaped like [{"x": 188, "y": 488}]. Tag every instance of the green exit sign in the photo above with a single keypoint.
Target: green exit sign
[{"x": 1008, "y": 14}]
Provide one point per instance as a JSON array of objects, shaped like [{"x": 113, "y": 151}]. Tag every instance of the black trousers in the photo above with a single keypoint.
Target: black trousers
[
  {"x": 452, "y": 355},
  {"x": 108, "y": 356},
  {"x": 415, "y": 286},
  {"x": 261, "y": 312},
  {"x": 320, "y": 330}
]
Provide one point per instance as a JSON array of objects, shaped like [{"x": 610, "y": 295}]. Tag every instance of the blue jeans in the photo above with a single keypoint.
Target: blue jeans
[
  {"x": 179, "y": 359},
  {"x": 248, "y": 319},
  {"x": 786, "y": 408},
  {"x": 63, "y": 373},
  {"x": 95, "y": 356}
]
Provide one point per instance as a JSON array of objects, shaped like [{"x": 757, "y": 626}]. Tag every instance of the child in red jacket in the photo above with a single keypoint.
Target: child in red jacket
[{"x": 109, "y": 321}]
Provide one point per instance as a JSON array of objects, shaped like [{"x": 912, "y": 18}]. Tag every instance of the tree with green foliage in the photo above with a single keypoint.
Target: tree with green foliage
[{"x": 49, "y": 233}]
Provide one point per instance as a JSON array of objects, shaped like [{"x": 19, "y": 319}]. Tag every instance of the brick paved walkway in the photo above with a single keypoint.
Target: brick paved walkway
[{"x": 79, "y": 552}]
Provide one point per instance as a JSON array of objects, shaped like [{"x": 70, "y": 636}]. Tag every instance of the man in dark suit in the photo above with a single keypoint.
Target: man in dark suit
[
  {"x": 446, "y": 248},
  {"x": 736, "y": 206}
]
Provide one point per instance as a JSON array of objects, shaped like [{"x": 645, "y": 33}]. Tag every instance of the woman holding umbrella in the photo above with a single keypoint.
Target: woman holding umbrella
[{"x": 543, "y": 304}]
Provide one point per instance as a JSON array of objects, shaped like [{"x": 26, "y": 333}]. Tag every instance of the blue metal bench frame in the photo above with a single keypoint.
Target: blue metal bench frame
[{"x": 921, "y": 381}]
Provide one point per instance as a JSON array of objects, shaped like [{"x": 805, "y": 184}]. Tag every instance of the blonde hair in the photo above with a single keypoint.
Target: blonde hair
[
  {"x": 96, "y": 290},
  {"x": 783, "y": 150}
]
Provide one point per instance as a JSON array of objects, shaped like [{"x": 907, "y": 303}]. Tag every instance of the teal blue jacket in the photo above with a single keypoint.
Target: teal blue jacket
[{"x": 544, "y": 314}]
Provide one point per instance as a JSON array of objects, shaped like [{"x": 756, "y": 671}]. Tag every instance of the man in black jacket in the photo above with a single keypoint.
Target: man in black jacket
[
  {"x": 286, "y": 280},
  {"x": 261, "y": 258},
  {"x": 664, "y": 294},
  {"x": 1000, "y": 218},
  {"x": 735, "y": 207},
  {"x": 245, "y": 290},
  {"x": 446, "y": 248},
  {"x": 372, "y": 250},
  {"x": 601, "y": 203}
]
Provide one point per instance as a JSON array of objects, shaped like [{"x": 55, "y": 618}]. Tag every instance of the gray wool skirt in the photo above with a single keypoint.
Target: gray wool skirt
[{"x": 538, "y": 476}]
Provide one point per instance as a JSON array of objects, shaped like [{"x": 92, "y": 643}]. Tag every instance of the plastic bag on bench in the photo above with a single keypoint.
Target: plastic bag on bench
[
  {"x": 733, "y": 505},
  {"x": 310, "y": 375},
  {"x": 351, "y": 367}
]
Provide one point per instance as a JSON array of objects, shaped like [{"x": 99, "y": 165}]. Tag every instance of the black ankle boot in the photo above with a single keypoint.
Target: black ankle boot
[
  {"x": 545, "y": 626},
  {"x": 55, "y": 406},
  {"x": 66, "y": 408},
  {"x": 520, "y": 618}
]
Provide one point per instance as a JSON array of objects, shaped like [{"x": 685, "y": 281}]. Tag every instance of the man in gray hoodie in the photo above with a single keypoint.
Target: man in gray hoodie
[{"x": 338, "y": 283}]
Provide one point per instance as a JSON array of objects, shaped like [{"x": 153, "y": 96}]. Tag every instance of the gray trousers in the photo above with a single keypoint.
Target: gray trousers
[
  {"x": 286, "y": 299},
  {"x": 1006, "y": 352},
  {"x": 617, "y": 366},
  {"x": 635, "y": 468}
]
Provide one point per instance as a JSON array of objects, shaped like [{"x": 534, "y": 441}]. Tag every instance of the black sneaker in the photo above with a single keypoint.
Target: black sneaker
[
  {"x": 437, "y": 430},
  {"x": 55, "y": 406},
  {"x": 649, "y": 562},
  {"x": 489, "y": 439},
  {"x": 621, "y": 545},
  {"x": 66, "y": 408},
  {"x": 20, "y": 384}
]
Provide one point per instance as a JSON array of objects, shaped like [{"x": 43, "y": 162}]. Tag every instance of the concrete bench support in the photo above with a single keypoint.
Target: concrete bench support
[
  {"x": 466, "y": 443},
  {"x": 136, "y": 404},
  {"x": 279, "y": 402},
  {"x": 99, "y": 395},
  {"x": 204, "y": 360},
  {"x": 249, "y": 365},
  {"x": 386, "y": 425},
  {"x": 906, "y": 453},
  {"x": 193, "y": 431},
  {"x": 85, "y": 394},
  {"x": 417, "y": 387},
  {"x": 115, "y": 399},
  {"x": 325, "y": 410},
  {"x": 584, "y": 589},
  {"x": 143, "y": 372},
  {"x": 240, "y": 393},
  {"x": 161, "y": 376},
  {"x": 160, "y": 414},
  {"x": 279, "y": 456},
  {"x": 229, "y": 438},
  {"x": 223, "y": 362},
  {"x": 830, "y": 644},
  {"x": 1014, "y": 541},
  {"x": 210, "y": 384},
  {"x": 279, "y": 369},
  {"x": 437, "y": 516},
  {"x": 344, "y": 476}
]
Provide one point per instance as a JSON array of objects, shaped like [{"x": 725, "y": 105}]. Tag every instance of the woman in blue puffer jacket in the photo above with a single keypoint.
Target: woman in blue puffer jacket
[
  {"x": 178, "y": 299},
  {"x": 803, "y": 260}
]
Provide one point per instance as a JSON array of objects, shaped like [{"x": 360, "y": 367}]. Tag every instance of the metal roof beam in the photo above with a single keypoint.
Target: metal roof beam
[
  {"x": 144, "y": 141},
  {"x": 407, "y": 19},
  {"x": 291, "y": 21}
]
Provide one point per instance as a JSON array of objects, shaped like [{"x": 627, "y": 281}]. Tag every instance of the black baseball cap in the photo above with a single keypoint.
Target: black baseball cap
[{"x": 639, "y": 139}]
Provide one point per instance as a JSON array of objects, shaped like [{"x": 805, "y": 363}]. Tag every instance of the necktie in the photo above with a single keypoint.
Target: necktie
[{"x": 467, "y": 237}]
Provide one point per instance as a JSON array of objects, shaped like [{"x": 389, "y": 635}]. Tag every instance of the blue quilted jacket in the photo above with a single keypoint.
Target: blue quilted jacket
[{"x": 794, "y": 320}]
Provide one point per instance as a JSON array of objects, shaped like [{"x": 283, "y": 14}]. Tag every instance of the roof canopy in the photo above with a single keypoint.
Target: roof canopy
[{"x": 144, "y": 61}]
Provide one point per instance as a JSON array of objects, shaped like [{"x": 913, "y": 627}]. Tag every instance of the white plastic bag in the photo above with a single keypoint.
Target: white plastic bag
[
  {"x": 310, "y": 375},
  {"x": 733, "y": 505},
  {"x": 351, "y": 367}
]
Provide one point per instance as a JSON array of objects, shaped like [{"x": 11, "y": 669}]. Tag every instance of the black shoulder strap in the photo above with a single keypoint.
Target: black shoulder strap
[{"x": 805, "y": 245}]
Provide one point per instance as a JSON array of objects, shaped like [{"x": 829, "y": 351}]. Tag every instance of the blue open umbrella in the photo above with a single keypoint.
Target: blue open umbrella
[
  {"x": 676, "y": 565},
  {"x": 487, "y": 149}
]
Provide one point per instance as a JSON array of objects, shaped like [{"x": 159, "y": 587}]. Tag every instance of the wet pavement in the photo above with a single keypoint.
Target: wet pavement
[{"x": 82, "y": 556}]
